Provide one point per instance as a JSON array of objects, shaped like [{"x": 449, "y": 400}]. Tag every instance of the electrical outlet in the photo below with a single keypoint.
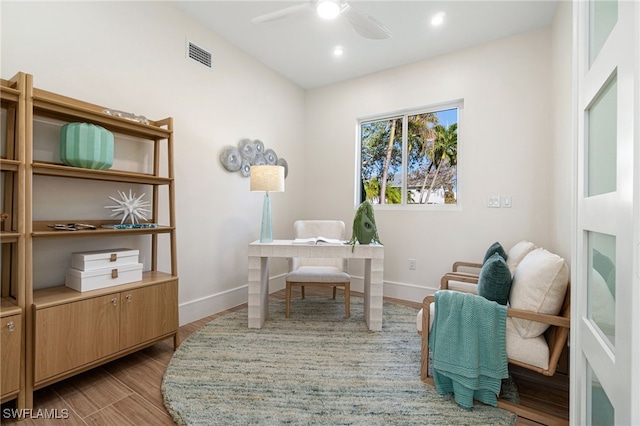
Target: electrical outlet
[{"x": 412, "y": 264}]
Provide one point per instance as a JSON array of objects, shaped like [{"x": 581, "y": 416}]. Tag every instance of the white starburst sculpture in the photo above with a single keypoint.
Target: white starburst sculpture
[{"x": 131, "y": 207}]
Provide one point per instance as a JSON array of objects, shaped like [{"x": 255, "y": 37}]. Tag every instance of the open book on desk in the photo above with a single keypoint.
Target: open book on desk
[{"x": 317, "y": 241}]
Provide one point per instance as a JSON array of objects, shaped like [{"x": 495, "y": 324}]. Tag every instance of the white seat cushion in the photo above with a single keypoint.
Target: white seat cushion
[
  {"x": 534, "y": 351},
  {"x": 432, "y": 315},
  {"x": 318, "y": 274}
]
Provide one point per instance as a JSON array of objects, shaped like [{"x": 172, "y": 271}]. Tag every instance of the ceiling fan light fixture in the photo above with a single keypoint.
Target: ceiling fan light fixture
[{"x": 328, "y": 9}]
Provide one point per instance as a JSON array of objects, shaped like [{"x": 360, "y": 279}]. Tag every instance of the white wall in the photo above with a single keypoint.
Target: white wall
[
  {"x": 131, "y": 56},
  {"x": 506, "y": 148},
  {"x": 562, "y": 83}
]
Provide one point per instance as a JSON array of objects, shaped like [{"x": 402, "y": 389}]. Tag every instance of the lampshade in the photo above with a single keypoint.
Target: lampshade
[{"x": 267, "y": 178}]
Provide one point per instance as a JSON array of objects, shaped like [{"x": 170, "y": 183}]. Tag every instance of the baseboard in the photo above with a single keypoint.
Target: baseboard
[
  {"x": 200, "y": 308},
  {"x": 212, "y": 304},
  {"x": 404, "y": 291},
  {"x": 396, "y": 290}
]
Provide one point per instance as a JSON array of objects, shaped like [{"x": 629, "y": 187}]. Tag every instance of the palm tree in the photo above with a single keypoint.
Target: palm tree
[
  {"x": 381, "y": 152},
  {"x": 372, "y": 191},
  {"x": 387, "y": 162},
  {"x": 445, "y": 147},
  {"x": 421, "y": 131}
]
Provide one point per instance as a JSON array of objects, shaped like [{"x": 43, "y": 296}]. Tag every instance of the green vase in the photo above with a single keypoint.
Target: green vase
[
  {"x": 367, "y": 230},
  {"x": 86, "y": 145}
]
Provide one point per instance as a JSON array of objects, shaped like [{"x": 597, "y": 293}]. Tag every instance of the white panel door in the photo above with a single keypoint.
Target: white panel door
[{"x": 605, "y": 323}]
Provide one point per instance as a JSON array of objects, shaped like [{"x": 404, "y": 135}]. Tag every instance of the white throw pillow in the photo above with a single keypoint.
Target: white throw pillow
[
  {"x": 539, "y": 285},
  {"x": 517, "y": 253}
]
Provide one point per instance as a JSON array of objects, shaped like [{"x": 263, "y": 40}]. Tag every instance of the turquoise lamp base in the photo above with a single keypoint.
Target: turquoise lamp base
[{"x": 266, "y": 232}]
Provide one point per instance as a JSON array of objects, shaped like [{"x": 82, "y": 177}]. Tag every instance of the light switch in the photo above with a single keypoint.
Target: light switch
[
  {"x": 493, "y": 201},
  {"x": 506, "y": 201}
]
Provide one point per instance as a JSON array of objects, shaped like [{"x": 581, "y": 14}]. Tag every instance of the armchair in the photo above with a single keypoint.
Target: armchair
[{"x": 538, "y": 320}]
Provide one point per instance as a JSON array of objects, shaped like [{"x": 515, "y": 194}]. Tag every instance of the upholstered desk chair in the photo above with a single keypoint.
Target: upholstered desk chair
[{"x": 318, "y": 271}]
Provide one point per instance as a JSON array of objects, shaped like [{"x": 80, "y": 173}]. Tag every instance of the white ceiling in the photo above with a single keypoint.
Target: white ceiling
[{"x": 300, "y": 47}]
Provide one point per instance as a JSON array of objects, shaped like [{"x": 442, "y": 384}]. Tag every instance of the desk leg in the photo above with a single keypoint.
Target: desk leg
[
  {"x": 373, "y": 293},
  {"x": 258, "y": 299}
]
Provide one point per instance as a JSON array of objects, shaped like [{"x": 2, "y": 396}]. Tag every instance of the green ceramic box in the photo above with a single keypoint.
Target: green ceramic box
[{"x": 86, "y": 145}]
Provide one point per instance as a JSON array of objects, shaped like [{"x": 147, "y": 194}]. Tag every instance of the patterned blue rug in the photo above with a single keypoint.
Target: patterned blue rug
[{"x": 314, "y": 368}]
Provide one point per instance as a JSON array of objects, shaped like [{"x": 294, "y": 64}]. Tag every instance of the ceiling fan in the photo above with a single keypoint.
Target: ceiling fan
[{"x": 363, "y": 24}]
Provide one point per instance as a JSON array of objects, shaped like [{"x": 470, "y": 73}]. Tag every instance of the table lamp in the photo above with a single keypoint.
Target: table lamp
[{"x": 268, "y": 179}]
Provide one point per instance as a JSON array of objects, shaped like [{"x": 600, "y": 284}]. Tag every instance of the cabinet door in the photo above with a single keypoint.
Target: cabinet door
[
  {"x": 10, "y": 350},
  {"x": 70, "y": 335},
  {"x": 147, "y": 313}
]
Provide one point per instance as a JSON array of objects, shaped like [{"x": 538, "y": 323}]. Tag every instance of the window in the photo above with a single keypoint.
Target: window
[{"x": 410, "y": 158}]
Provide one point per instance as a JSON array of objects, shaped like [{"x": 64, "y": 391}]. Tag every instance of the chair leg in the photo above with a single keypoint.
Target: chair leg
[
  {"x": 287, "y": 300},
  {"x": 302, "y": 290},
  {"x": 347, "y": 299},
  {"x": 334, "y": 292}
]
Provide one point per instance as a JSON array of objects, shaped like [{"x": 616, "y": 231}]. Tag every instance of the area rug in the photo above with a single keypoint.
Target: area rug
[{"x": 314, "y": 368}]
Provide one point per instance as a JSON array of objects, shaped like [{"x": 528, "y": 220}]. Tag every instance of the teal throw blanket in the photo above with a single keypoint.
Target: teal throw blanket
[{"x": 468, "y": 341}]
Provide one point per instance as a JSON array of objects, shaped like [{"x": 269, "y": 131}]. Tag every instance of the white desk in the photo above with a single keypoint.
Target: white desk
[{"x": 260, "y": 253}]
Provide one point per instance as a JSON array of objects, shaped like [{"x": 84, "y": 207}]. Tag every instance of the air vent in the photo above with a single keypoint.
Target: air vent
[{"x": 198, "y": 54}]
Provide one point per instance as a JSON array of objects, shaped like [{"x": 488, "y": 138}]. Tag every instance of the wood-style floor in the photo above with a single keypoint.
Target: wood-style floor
[{"x": 127, "y": 391}]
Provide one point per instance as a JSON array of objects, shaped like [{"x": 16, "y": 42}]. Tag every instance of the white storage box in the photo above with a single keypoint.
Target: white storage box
[
  {"x": 101, "y": 278},
  {"x": 100, "y": 259}
]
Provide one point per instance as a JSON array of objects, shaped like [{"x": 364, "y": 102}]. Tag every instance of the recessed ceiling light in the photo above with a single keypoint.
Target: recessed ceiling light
[
  {"x": 437, "y": 19},
  {"x": 338, "y": 51},
  {"x": 328, "y": 9}
]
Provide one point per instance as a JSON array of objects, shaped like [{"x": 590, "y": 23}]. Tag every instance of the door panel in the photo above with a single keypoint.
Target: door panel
[
  {"x": 604, "y": 333},
  {"x": 11, "y": 341},
  {"x": 148, "y": 312},
  {"x": 74, "y": 334}
]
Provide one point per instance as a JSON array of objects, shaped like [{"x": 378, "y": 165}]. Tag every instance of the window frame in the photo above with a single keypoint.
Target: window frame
[{"x": 404, "y": 113}]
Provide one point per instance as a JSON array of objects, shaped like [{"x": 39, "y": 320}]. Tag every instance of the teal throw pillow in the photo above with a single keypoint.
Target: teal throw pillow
[
  {"x": 494, "y": 282},
  {"x": 495, "y": 248}
]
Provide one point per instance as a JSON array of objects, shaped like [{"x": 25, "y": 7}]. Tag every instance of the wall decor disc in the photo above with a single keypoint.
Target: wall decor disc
[
  {"x": 259, "y": 160},
  {"x": 270, "y": 157},
  {"x": 259, "y": 145},
  {"x": 245, "y": 169},
  {"x": 231, "y": 159},
  {"x": 282, "y": 162},
  {"x": 247, "y": 149}
]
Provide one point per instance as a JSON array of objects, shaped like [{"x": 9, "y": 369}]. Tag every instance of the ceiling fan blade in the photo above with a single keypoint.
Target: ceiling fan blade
[
  {"x": 365, "y": 25},
  {"x": 282, "y": 13}
]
